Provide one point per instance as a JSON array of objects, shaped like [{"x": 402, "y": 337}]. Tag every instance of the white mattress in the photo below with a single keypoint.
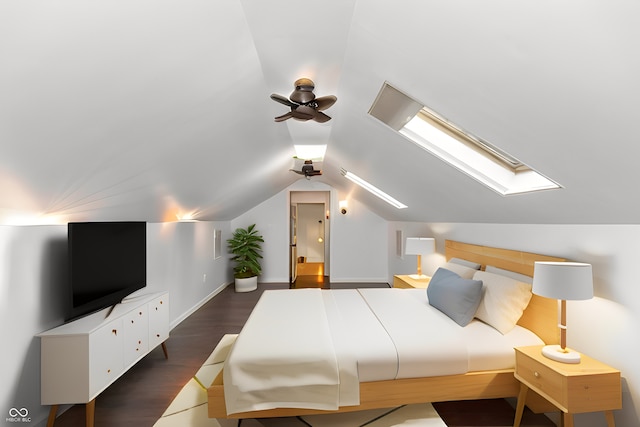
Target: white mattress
[
  {"x": 427, "y": 342},
  {"x": 487, "y": 348},
  {"x": 309, "y": 348}
]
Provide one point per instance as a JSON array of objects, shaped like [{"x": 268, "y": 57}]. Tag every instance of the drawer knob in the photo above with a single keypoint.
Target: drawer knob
[{"x": 536, "y": 374}]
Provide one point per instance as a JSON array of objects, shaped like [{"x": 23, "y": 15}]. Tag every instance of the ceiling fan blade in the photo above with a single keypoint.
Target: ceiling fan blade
[
  {"x": 321, "y": 117},
  {"x": 304, "y": 113},
  {"x": 284, "y": 117},
  {"x": 325, "y": 102},
  {"x": 282, "y": 100},
  {"x": 298, "y": 172}
]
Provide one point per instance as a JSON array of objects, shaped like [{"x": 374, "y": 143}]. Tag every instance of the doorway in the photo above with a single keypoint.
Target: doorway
[{"x": 309, "y": 240}]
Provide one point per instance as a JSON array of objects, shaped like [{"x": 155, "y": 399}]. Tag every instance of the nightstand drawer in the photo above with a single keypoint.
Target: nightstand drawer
[
  {"x": 541, "y": 378},
  {"x": 574, "y": 388}
]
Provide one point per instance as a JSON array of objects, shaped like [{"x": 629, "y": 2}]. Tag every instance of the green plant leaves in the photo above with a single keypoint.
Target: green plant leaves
[{"x": 245, "y": 245}]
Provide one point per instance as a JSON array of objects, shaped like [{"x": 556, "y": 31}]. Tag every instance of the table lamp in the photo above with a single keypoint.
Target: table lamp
[
  {"x": 419, "y": 246},
  {"x": 563, "y": 281}
]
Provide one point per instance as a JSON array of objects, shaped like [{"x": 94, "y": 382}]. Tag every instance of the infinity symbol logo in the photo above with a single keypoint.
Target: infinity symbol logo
[{"x": 22, "y": 412}]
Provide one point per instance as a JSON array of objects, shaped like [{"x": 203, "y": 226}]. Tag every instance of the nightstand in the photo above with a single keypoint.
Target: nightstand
[
  {"x": 588, "y": 386},
  {"x": 405, "y": 281}
]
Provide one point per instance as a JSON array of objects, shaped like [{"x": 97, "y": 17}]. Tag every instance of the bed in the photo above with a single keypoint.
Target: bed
[{"x": 380, "y": 366}]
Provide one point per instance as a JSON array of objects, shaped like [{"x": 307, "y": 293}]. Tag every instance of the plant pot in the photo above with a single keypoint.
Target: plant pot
[{"x": 246, "y": 284}]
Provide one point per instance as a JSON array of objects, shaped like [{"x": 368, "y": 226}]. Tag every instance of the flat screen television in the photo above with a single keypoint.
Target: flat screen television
[{"x": 107, "y": 262}]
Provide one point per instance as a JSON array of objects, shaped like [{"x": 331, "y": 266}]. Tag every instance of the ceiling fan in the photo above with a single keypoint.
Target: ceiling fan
[
  {"x": 304, "y": 104},
  {"x": 307, "y": 170}
]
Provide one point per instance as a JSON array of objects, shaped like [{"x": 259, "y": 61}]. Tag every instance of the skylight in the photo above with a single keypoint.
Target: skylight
[
  {"x": 477, "y": 158},
  {"x": 310, "y": 152},
  {"x": 373, "y": 189}
]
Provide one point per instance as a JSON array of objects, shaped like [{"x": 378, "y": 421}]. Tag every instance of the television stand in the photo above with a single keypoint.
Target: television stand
[{"x": 80, "y": 359}]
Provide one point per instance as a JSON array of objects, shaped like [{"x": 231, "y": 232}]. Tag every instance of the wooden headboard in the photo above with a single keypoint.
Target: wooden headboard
[{"x": 541, "y": 315}]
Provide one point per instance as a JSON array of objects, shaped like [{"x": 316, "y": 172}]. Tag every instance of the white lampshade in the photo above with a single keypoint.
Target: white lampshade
[
  {"x": 563, "y": 280},
  {"x": 420, "y": 245}
]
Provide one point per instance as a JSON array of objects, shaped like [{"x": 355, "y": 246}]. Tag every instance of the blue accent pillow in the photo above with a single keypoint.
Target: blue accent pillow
[{"x": 456, "y": 297}]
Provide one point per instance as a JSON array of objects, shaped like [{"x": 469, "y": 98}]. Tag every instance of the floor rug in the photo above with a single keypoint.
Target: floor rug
[{"x": 189, "y": 407}]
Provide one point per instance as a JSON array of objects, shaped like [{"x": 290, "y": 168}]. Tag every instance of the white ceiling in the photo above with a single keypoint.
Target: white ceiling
[{"x": 148, "y": 109}]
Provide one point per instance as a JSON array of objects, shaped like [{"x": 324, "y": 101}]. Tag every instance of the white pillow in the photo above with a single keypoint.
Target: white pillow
[
  {"x": 519, "y": 277},
  {"x": 462, "y": 268},
  {"x": 503, "y": 301},
  {"x": 466, "y": 263}
]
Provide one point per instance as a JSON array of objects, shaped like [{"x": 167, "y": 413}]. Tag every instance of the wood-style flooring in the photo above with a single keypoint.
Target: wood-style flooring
[{"x": 140, "y": 396}]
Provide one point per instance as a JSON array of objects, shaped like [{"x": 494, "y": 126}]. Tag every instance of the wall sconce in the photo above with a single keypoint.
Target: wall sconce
[{"x": 342, "y": 205}]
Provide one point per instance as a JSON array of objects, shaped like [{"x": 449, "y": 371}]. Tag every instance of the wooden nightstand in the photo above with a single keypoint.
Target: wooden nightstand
[
  {"x": 588, "y": 386},
  {"x": 405, "y": 281}
]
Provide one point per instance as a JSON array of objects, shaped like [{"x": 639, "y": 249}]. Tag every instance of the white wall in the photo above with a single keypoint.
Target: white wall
[
  {"x": 32, "y": 267},
  {"x": 180, "y": 258},
  {"x": 358, "y": 243},
  {"x": 33, "y": 274},
  {"x": 605, "y": 327}
]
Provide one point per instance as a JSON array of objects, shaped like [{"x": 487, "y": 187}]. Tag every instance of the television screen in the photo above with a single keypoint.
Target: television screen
[{"x": 107, "y": 262}]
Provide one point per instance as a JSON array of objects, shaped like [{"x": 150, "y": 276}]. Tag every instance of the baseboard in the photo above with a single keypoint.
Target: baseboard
[{"x": 202, "y": 302}]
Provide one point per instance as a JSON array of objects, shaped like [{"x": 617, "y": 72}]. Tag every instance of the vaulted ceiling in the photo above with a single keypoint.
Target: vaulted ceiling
[{"x": 148, "y": 109}]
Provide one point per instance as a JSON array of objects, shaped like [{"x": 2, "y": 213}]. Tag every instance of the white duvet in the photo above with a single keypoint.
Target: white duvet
[{"x": 310, "y": 348}]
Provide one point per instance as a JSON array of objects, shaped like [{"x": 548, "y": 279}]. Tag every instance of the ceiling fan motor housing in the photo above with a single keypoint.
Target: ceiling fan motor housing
[{"x": 307, "y": 167}]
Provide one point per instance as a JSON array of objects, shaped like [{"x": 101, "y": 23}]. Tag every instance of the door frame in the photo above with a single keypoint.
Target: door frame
[{"x": 317, "y": 197}]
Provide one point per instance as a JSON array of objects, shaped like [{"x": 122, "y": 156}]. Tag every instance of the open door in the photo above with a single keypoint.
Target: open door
[{"x": 309, "y": 239}]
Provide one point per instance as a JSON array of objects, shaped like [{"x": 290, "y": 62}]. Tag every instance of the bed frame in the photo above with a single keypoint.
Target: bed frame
[{"x": 541, "y": 317}]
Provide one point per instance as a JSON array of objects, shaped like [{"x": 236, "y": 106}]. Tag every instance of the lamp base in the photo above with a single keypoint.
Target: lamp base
[
  {"x": 418, "y": 276},
  {"x": 555, "y": 352}
]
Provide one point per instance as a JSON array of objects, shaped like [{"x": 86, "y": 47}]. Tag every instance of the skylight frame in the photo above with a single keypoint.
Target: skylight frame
[{"x": 470, "y": 154}]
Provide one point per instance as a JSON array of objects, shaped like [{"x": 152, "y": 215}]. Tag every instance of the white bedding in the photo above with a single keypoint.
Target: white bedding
[
  {"x": 310, "y": 348},
  {"x": 286, "y": 356}
]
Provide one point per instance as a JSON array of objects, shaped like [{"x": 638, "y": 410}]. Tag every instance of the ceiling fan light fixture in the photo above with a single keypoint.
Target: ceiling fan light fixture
[{"x": 303, "y": 103}]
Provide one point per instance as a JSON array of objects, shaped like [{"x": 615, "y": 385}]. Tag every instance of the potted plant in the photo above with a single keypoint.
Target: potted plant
[{"x": 245, "y": 245}]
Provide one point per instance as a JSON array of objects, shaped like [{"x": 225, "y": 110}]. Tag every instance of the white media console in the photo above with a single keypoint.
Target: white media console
[{"x": 80, "y": 359}]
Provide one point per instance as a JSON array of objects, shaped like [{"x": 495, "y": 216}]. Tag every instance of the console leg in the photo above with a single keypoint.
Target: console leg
[
  {"x": 164, "y": 349},
  {"x": 52, "y": 415},
  {"x": 90, "y": 409}
]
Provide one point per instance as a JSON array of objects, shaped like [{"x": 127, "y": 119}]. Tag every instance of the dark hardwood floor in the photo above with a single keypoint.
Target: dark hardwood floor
[{"x": 141, "y": 395}]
